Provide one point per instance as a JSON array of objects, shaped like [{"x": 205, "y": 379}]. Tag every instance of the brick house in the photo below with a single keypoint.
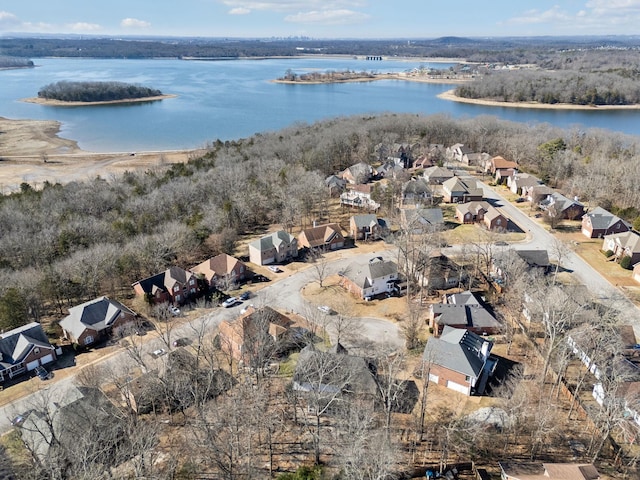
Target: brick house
[
  {"x": 367, "y": 227},
  {"x": 599, "y": 222},
  {"x": 626, "y": 244},
  {"x": 174, "y": 285},
  {"x": 278, "y": 247},
  {"x": 328, "y": 237},
  {"x": 23, "y": 349},
  {"x": 456, "y": 190},
  {"x": 464, "y": 311},
  {"x": 459, "y": 360},
  {"x": 221, "y": 271},
  {"x": 95, "y": 320}
]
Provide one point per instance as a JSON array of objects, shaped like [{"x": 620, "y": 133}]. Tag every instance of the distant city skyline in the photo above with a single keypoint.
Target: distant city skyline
[{"x": 322, "y": 18}]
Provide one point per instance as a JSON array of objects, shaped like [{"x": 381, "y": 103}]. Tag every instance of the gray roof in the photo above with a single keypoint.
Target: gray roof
[
  {"x": 456, "y": 184},
  {"x": 601, "y": 219},
  {"x": 276, "y": 239},
  {"x": 365, "y": 220},
  {"x": 425, "y": 216},
  {"x": 436, "y": 171},
  {"x": 17, "y": 343},
  {"x": 471, "y": 316},
  {"x": 363, "y": 275},
  {"x": 97, "y": 314},
  {"x": 463, "y": 298},
  {"x": 534, "y": 258},
  {"x": 458, "y": 350}
]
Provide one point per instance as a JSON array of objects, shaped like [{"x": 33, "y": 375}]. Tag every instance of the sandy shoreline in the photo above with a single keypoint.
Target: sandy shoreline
[
  {"x": 60, "y": 103},
  {"x": 31, "y": 151},
  {"x": 450, "y": 95}
]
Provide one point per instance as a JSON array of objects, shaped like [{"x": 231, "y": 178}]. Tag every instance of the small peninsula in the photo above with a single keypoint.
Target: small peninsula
[
  {"x": 347, "y": 76},
  {"x": 65, "y": 93}
]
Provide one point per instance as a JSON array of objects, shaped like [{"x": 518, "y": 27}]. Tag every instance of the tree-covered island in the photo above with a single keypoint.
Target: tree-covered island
[{"x": 91, "y": 93}]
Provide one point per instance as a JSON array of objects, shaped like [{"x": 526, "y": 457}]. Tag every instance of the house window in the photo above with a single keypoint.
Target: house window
[
  {"x": 177, "y": 298},
  {"x": 192, "y": 281},
  {"x": 467, "y": 378},
  {"x": 176, "y": 288},
  {"x": 88, "y": 339},
  {"x": 498, "y": 221},
  {"x": 36, "y": 350}
]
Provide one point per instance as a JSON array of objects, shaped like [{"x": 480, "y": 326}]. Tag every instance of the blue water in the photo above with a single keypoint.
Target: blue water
[{"x": 233, "y": 99}]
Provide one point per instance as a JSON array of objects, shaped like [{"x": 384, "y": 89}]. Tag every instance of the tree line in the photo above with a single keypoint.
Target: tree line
[
  {"x": 67, "y": 91},
  {"x": 14, "y": 62}
]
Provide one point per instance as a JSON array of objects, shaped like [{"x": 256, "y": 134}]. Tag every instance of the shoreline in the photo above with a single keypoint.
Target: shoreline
[
  {"x": 61, "y": 103},
  {"x": 375, "y": 77},
  {"x": 451, "y": 96}
]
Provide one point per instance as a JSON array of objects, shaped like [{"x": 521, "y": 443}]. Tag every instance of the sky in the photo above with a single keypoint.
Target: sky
[{"x": 322, "y": 18}]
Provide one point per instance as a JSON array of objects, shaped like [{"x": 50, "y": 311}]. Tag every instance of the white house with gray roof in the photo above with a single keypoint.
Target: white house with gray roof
[
  {"x": 375, "y": 277},
  {"x": 459, "y": 360},
  {"x": 278, "y": 247}
]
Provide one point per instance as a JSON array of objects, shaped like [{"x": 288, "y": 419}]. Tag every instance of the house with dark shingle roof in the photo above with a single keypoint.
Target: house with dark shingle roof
[
  {"x": 561, "y": 207},
  {"x": 328, "y": 237},
  {"x": 174, "y": 285},
  {"x": 94, "y": 320},
  {"x": 422, "y": 220},
  {"x": 599, "y": 222},
  {"x": 437, "y": 175},
  {"x": 23, "y": 349},
  {"x": 462, "y": 310},
  {"x": 459, "y": 360},
  {"x": 278, "y": 247},
  {"x": 626, "y": 244},
  {"x": 375, "y": 277},
  {"x": 367, "y": 227},
  {"x": 359, "y": 173}
]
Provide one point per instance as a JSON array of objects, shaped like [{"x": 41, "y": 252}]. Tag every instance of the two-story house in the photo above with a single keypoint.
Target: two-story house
[
  {"x": 277, "y": 247},
  {"x": 174, "y": 285},
  {"x": 365, "y": 280}
]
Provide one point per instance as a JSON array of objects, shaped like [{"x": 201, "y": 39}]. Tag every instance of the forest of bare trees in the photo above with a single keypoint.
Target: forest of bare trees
[{"x": 67, "y": 91}]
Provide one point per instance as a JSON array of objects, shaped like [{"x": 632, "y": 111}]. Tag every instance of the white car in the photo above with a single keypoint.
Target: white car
[
  {"x": 274, "y": 268},
  {"x": 175, "y": 311},
  {"x": 229, "y": 302},
  {"x": 159, "y": 352},
  {"x": 325, "y": 309}
]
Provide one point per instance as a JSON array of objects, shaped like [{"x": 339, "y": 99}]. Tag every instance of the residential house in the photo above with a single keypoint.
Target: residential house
[
  {"x": 416, "y": 192},
  {"x": 367, "y": 227},
  {"x": 462, "y": 310},
  {"x": 537, "y": 193},
  {"x": 504, "y": 262},
  {"x": 95, "y": 320},
  {"x": 325, "y": 379},
  {"x": 627, "y": 394},
  {"x": 422, "y": 162},
  {"x": 576, "y": 298},
  {"x": 475, "y": 159},
  {"x": 626, "y": 244},
  {"x": 328, "y": 237},
  {"x": 256, "y": 331},
  {"x": 548, "y": 471},
  {"x": 503, "y": 175},
  {"x": 561, "y": 207},
  {"x": 73, "y": 413},
  {"x": 459, "y": 360},
  {"x": 359, "y": 173},
  {"x": 277, "y": 247},
  {"x": 335, "y": 185},
  {"x": 23, "y": 349},
  {"x": 174, "y": 285},
  {"x": 392, "y": 168},
  {"x": 457, "y": 190},
  {"x": 359, "y": 196},
  {"x": 458, "y": 151},
  {"x": 421, "y": 220},
  {"x": 437, "y": 175},
  {"x": 221, "y": 271},
  {"x": 599, "y": 222},
  {"x": 437, "y": 271},
  {"x": 519, "y": 183},
  {"x": 481, "y": 212},
  {"x": 375, "y": 277},
  {"x": 499, "y": 163}
]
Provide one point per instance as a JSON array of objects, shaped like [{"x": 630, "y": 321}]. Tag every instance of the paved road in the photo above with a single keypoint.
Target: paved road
[{"x": 284, "y": 293}]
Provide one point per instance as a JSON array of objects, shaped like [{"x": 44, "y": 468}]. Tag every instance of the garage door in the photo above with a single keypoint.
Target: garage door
[
  {"x": 457, "y": 387},
  {"x": 586, "y": 232},
  {"x": 32, "y": 365},
  {"x": 433, "y": 378},
  {"x": 46, "y": 359}
]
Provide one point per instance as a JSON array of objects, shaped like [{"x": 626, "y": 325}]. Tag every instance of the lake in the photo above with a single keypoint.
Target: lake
[{"x": 235, "y": 98}]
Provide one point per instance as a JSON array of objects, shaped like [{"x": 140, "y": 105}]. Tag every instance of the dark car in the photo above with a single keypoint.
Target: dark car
[
  {"x": 43, "y": 373},
  {"x": 181, "y": 342},
  {"x": 245, "y": 296}
]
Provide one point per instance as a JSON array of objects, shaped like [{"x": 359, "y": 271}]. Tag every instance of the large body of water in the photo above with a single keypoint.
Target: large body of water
[{"x": 234, "y": 99}]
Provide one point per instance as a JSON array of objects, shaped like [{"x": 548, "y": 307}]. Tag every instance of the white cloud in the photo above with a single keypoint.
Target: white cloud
[
  {"x": 239, "y": 11},
  {"x": 328, "y": 17},
  {"x": 8, "y": 20},
  {"x": 293, "y": 5},
  {"x": 134, "y": 23},
  {"x": 554, "y": 14},
  {"x": 84, "y": 27}
]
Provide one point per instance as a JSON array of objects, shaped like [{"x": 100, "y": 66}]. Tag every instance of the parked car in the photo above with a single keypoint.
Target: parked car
[
  {"x": 43, "y": 373},
  {"x": 325, "y": 309},
  {"x": 245, "y": 296},
  {"x": 274, "y": 268},
  {"x": 175, "y": 311},
  {"x": 229, "y": 302},
  {"x": 158, "y": 353}
]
